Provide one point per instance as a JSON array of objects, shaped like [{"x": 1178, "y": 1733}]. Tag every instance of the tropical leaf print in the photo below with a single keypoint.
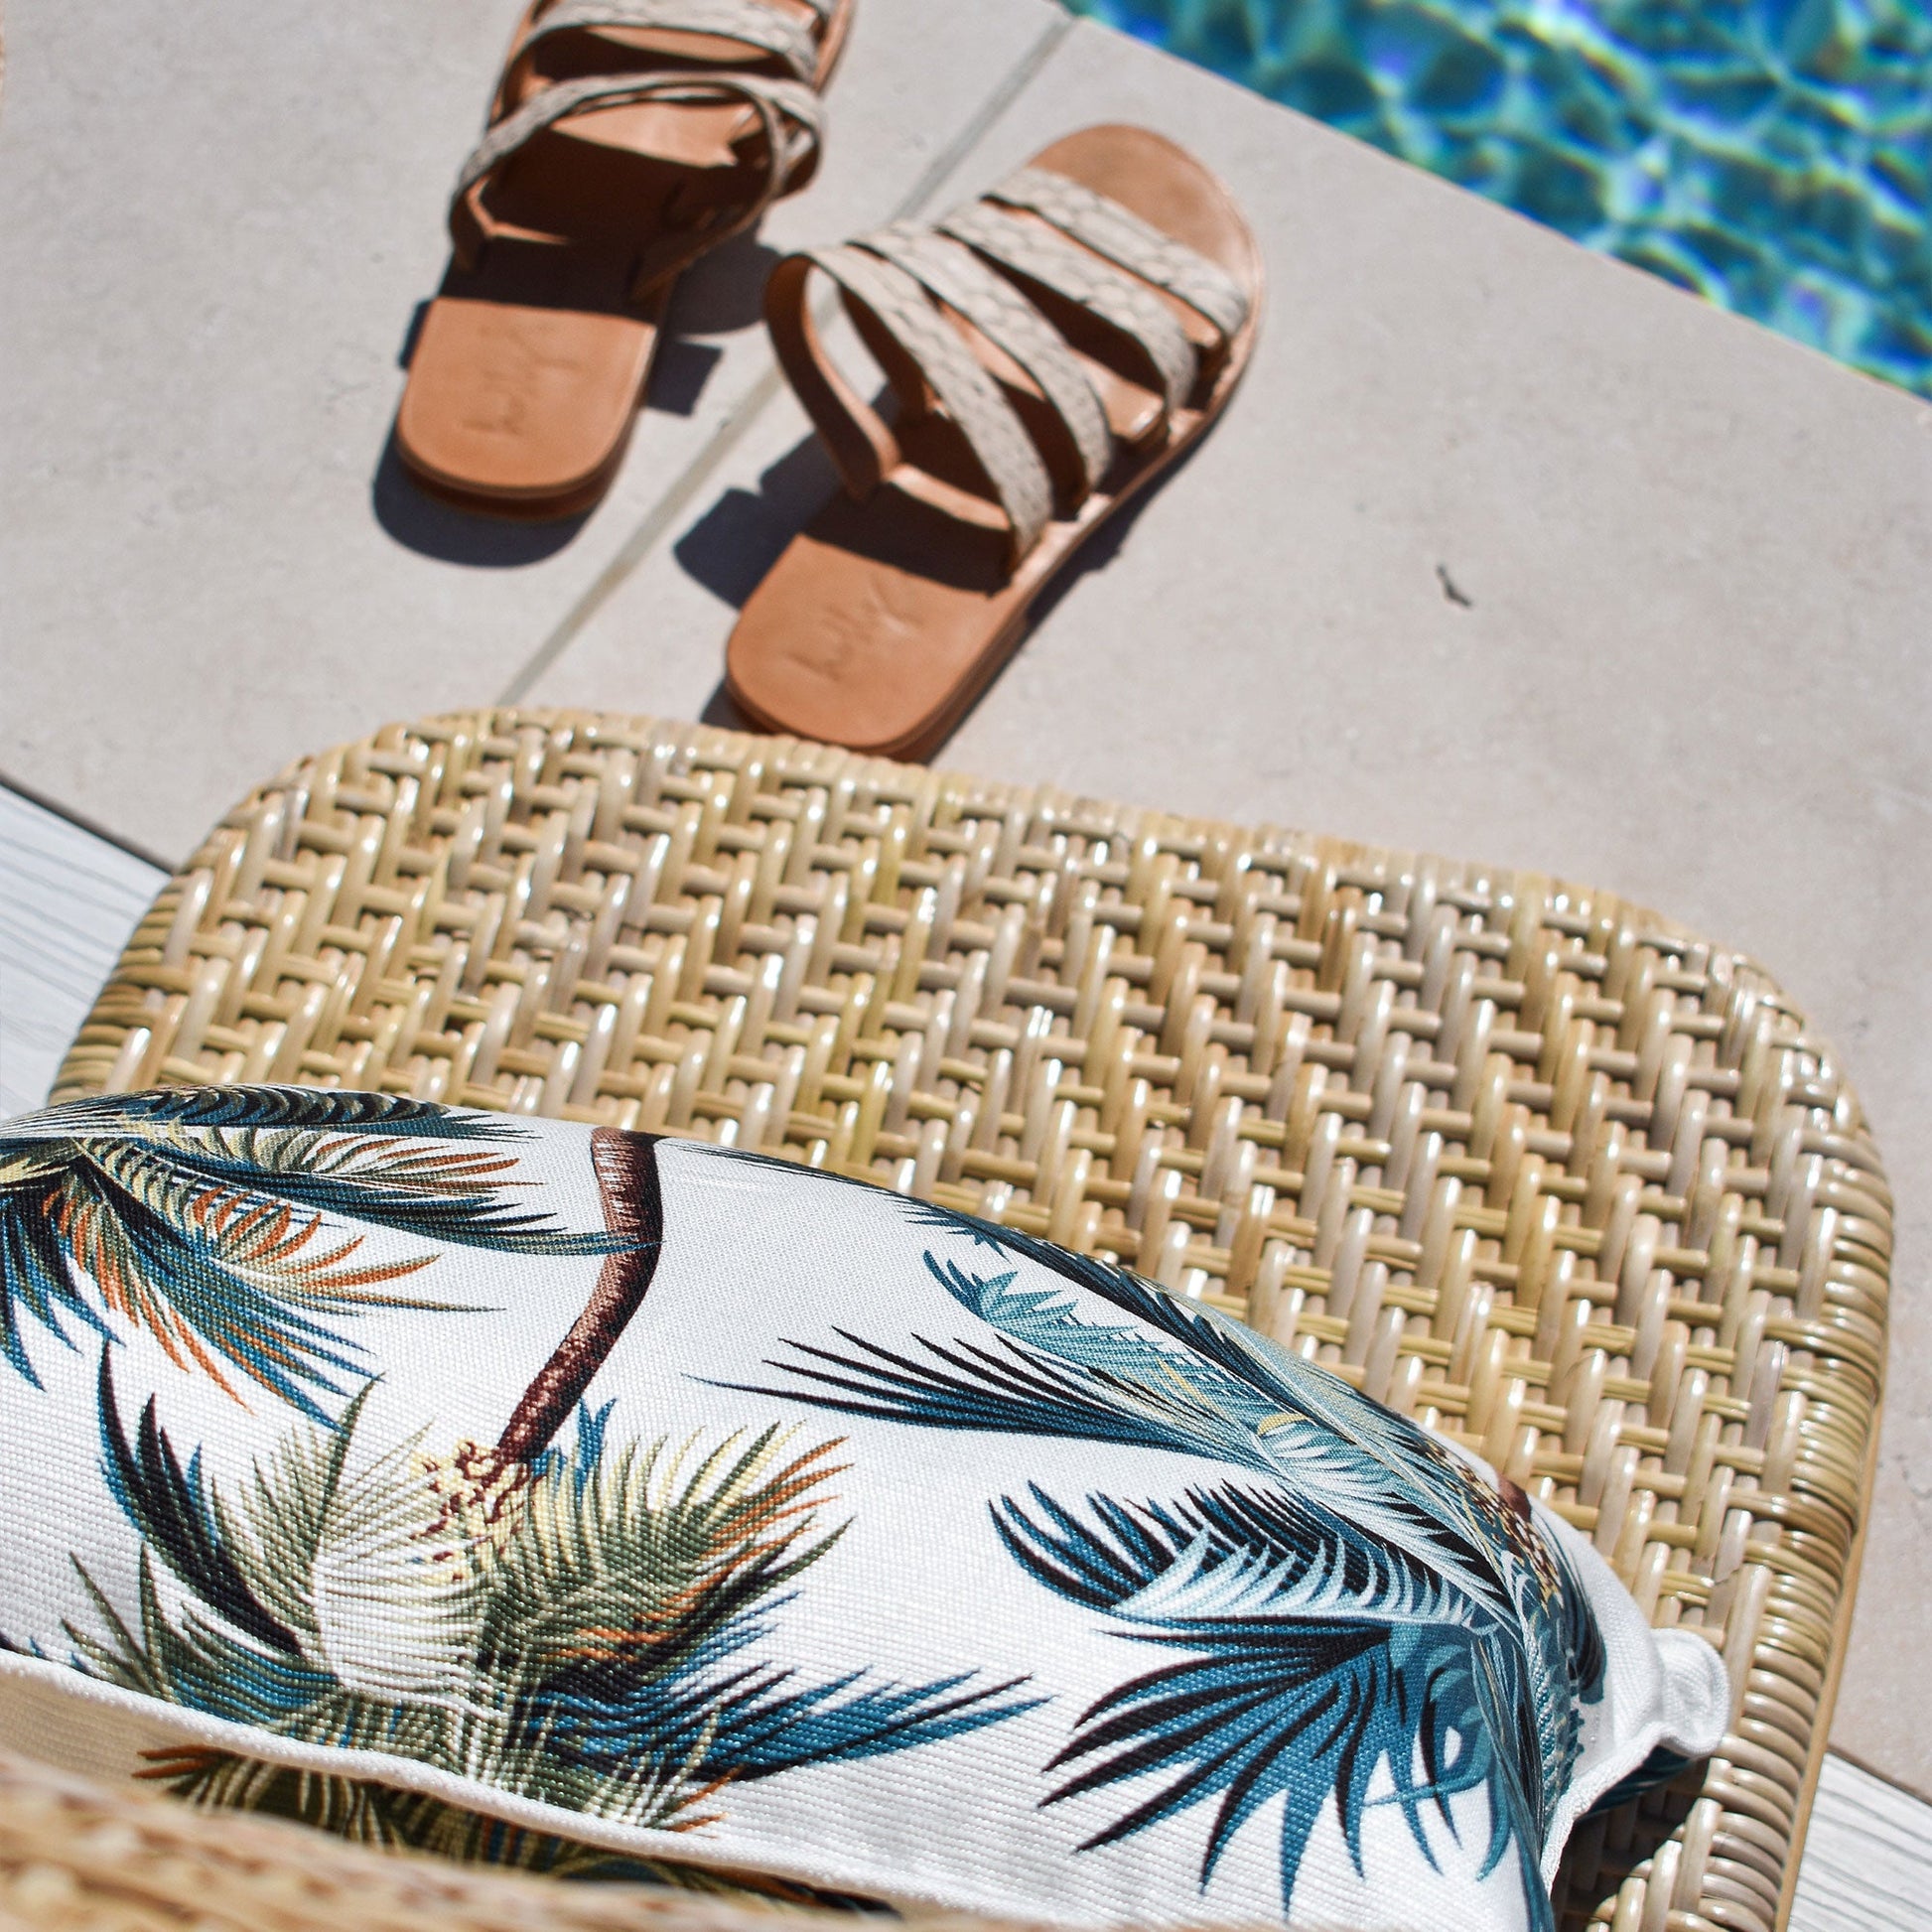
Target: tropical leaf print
[
  {"x": 1362, "y": 1599},
  {"x": 369, "y": 1813},
  {"x": 221, "y": 1221},
  {"x": 597, "y": 1630},
  {"x": 1307, "y": 1670}
]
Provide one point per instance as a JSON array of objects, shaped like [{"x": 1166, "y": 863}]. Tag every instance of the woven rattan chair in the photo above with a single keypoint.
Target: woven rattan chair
[{"x": 1520, "y": 1159}]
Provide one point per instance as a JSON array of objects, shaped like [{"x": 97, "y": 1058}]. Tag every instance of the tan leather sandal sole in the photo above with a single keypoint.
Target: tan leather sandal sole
[
  {"x": 616, "y": 154},
  {"x": 884, "y": 619}
]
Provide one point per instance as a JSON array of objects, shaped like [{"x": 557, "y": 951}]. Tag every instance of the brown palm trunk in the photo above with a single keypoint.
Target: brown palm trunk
[{"x": 634, "y": 1208}]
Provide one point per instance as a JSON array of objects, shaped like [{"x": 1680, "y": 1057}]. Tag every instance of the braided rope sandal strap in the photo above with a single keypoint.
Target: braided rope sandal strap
[
  {"x": 897, "y": 274},
  {"x": 752, "y": 23},
  {"x": 930, "y": 354},
  {"x": 776, "y": 102},
  {"x": 1004, "y": 315},
  {"x": 787, "y": 108},
  {"x": 1132, "y": 309},
  {"x": 1126, "y": 240}
]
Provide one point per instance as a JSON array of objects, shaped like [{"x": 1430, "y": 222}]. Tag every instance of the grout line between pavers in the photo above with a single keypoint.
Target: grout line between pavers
[{"x": 659, "y": 519}]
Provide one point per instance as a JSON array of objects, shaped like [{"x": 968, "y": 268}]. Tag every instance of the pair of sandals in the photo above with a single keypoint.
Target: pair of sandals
[{"x": 1049, "y": 349}]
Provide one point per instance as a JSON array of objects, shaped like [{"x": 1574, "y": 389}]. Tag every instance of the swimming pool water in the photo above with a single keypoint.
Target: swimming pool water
[{"x": 1773, "y": 155}]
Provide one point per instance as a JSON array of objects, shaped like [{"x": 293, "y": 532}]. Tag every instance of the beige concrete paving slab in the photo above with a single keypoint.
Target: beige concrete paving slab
[
  {"x": 216, "y": 222},
  {"x": 1507, "y": 551}
]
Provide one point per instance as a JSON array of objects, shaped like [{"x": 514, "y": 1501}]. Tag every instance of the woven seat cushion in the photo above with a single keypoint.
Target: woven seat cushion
[{"x": 713, "y": 1510}]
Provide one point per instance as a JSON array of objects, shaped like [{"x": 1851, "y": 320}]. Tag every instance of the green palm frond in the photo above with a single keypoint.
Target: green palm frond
[
  {"x": 365, "y": 1563},
  {"x": 633, "y": 1580},
  {"x": 593, "y": 1631},
  {"x": 237, "y": 1633},
  {"x": 650, "y": 1546},
  {"x": 230, "y": 1224}
]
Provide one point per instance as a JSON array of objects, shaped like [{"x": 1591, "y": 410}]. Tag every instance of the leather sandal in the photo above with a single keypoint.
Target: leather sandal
[
  {"x": 627, "y": 138},
  {"x": 1050, "y": 350}
]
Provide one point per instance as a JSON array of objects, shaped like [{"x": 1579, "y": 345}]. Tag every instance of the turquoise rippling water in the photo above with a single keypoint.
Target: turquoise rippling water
[{"x": 1773, "y": 155}]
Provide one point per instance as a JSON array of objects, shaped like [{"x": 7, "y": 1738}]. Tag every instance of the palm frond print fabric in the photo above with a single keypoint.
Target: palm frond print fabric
[
  {"x": 649, "y": 1579},
  {"x": 1368, "y": 1606},
  {"x": 592, "y": 1634},
  {"x": 223, "y": 1221}
]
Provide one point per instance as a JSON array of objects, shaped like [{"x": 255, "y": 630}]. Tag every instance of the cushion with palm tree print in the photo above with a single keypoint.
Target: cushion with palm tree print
[{"x": 603, "y": 1502}]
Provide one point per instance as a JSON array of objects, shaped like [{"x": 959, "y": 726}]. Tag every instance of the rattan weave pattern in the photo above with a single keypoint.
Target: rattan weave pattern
[
  {"x": 1522, "y": 1159},
  {"x": 76, "y": 1856}
]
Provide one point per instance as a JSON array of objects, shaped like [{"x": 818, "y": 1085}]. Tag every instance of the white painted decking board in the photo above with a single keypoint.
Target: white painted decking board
[
  {"x": 1867, "y": 1864},
  {"x": 68, "y": 900}
]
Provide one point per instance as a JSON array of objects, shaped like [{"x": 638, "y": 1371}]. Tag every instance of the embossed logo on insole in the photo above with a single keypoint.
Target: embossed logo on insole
[
  {"x": 844, "y": 636},
  {"x": 509, "y": 393}
]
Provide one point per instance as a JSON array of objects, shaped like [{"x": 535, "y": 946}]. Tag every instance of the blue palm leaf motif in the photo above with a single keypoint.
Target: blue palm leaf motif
[
  {"x": 1373, "y": 1603},
  {"x": 212, "y": 1217},
  {"x": 171, "y": 1508},
  {"x": 1309, "y": 1667}
]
